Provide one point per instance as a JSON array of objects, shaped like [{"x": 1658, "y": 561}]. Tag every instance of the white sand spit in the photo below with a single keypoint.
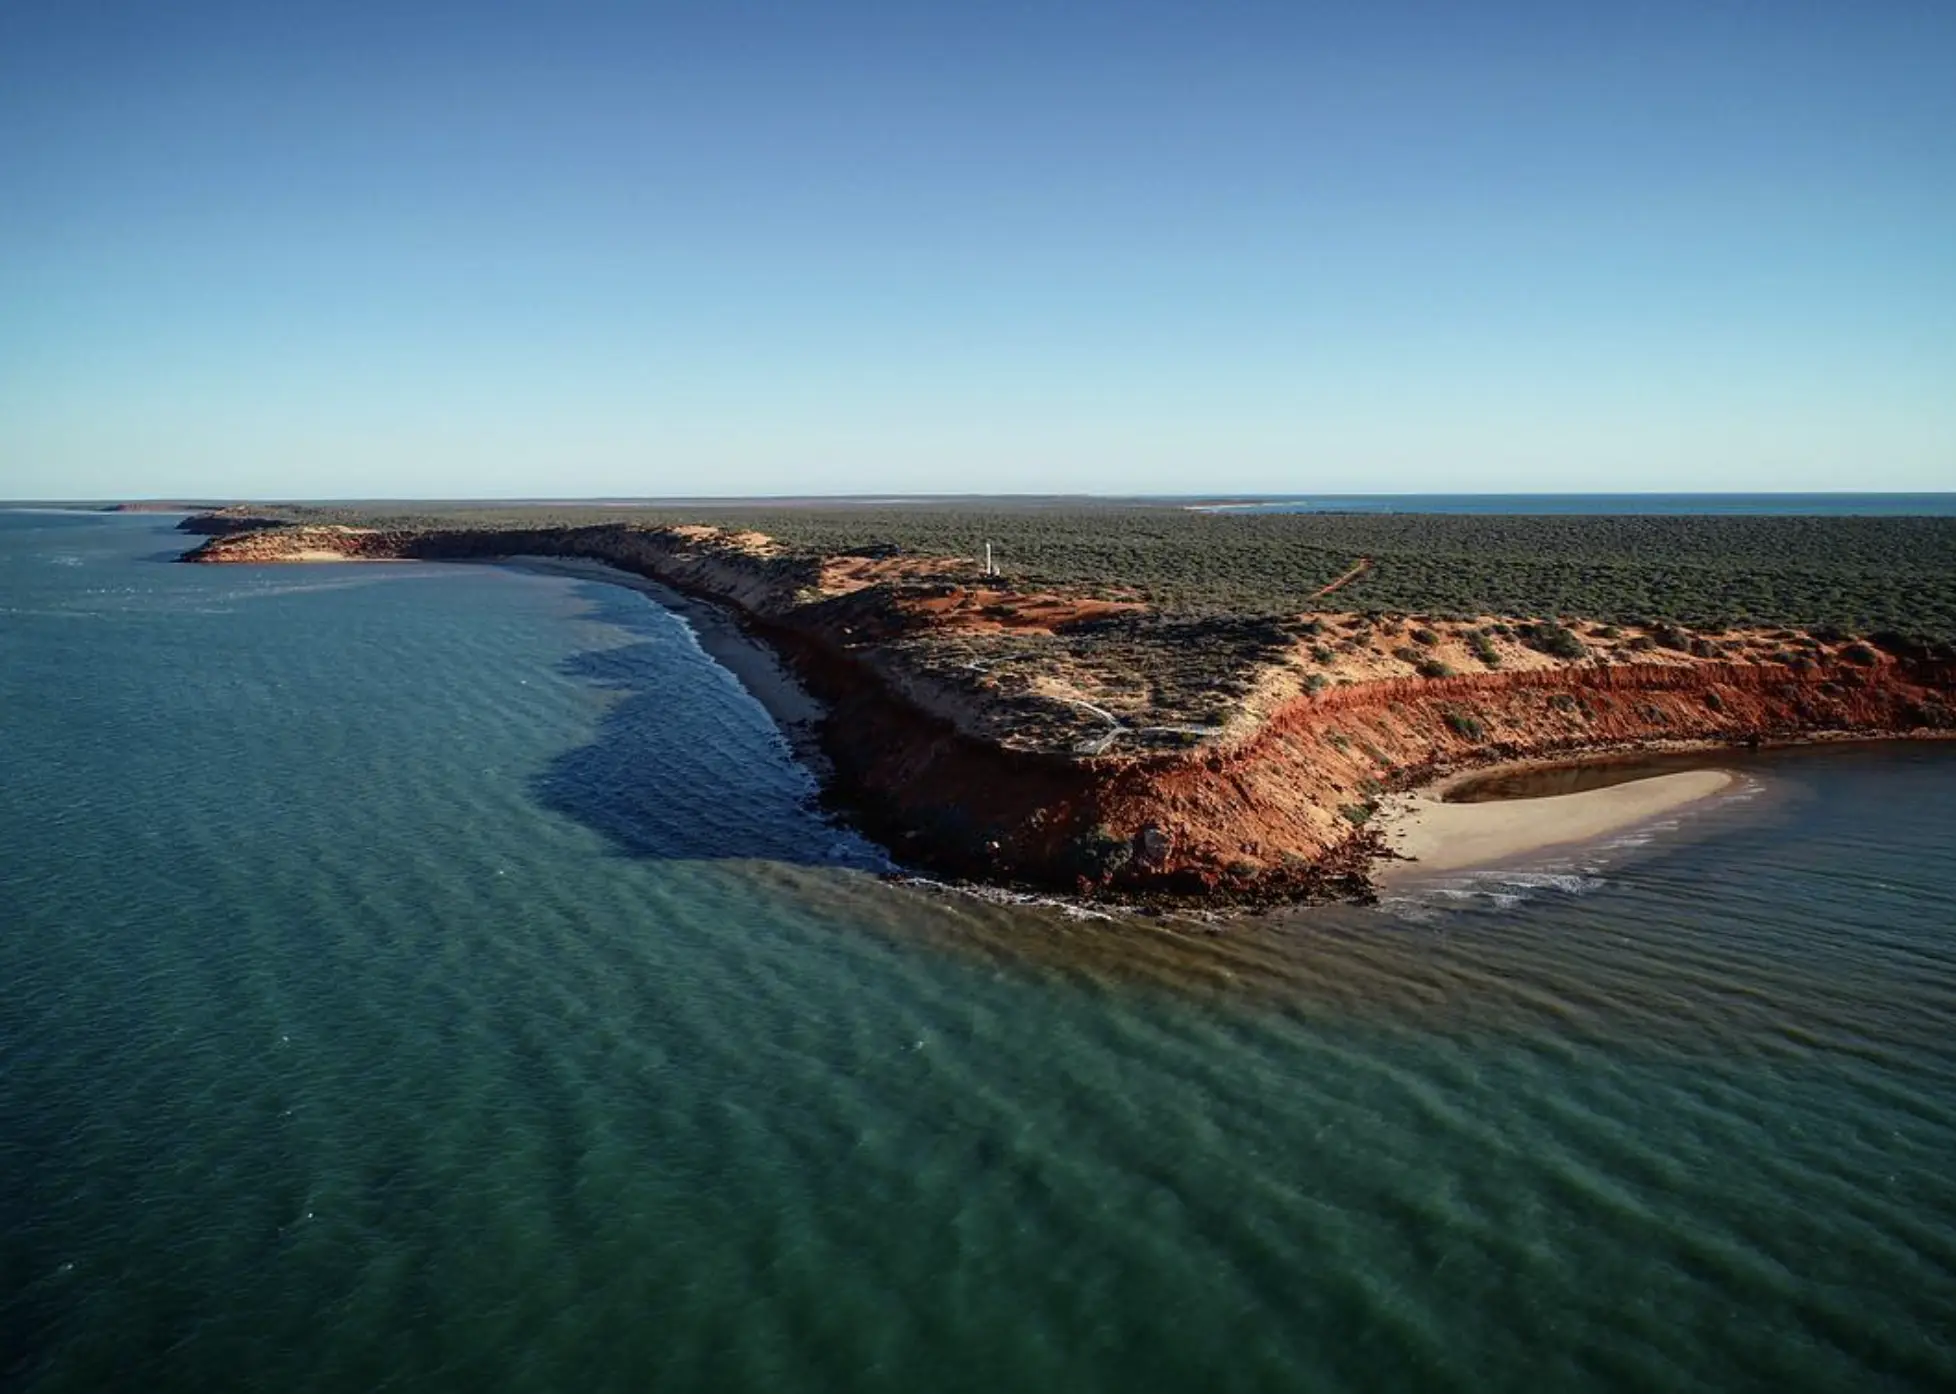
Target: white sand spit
[{"x": 1447, "y": 836}]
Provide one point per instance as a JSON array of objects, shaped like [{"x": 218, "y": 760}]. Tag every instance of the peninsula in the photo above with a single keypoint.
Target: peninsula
[{"x": 1154, "y": 703}]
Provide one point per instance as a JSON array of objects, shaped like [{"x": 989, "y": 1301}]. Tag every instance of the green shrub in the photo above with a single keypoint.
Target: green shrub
[
  {"x": 1553, "y": 640},
  {"x": 1466, "y": 725},
  {"x": 1843, "y": 576}
]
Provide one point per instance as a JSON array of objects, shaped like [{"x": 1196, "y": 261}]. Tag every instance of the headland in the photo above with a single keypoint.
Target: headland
[{"x": 1136, "y": 734}]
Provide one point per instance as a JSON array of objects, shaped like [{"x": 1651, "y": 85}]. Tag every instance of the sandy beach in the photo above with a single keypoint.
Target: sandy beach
[{"x": 1440, "y": 836}]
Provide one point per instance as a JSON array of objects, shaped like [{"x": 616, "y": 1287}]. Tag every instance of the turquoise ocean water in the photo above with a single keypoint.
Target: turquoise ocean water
[{"x": 432, "y": 978}]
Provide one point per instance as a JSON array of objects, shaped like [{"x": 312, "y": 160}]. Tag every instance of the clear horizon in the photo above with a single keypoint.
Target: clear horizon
[
  {"x": 1220, "y": 496},
  {"x": 605, "y": 251}
]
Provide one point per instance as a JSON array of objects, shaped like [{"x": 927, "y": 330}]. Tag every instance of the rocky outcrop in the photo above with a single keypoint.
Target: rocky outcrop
[{"x": 1272, "y": 805}]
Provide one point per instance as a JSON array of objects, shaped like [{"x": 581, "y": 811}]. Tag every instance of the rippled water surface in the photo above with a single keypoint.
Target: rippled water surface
[{"x": 434, "y": 978}]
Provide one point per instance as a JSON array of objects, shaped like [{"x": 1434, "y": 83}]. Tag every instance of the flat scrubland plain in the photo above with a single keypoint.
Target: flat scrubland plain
[{"x": 1863, "y": 576}]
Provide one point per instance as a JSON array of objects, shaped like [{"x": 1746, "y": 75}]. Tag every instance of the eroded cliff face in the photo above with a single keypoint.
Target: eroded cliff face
[
  {"x": 932, "y": 754},
  {"x": 1281, "y": 815}
]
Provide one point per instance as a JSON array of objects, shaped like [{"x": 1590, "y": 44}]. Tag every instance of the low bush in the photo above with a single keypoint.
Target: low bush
[
  {"x": 1554, "y": 640},
  {"x": 1843, "y": 576}
]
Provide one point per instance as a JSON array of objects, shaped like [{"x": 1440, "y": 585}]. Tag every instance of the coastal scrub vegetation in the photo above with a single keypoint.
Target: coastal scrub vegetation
[{"x": 1693, "y": 577}]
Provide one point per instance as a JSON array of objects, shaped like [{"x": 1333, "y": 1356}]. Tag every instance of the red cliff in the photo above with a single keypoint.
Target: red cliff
[{"x": 1045, "y": 771}]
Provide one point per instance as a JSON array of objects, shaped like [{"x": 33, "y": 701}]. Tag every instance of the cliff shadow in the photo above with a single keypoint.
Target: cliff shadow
[{"x": 685, "y": 765}]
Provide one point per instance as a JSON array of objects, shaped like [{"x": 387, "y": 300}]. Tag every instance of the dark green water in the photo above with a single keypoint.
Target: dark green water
[{"x": 433, "y": 978}]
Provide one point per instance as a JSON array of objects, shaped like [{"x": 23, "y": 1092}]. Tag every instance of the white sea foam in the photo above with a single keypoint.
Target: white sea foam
[{"x": 999, "y": 895}]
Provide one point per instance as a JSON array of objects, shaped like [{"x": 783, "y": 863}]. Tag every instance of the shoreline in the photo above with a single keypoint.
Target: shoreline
[
  {"x": 758, "y": 668},
  {"x": 1427, "y": 835},
  {"x": 980, "y": 770},
  {"x": 1421, "y": 832}
]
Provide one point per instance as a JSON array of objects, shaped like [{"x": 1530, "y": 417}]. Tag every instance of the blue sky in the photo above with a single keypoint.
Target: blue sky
[{"x": 479, "y": 250}]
